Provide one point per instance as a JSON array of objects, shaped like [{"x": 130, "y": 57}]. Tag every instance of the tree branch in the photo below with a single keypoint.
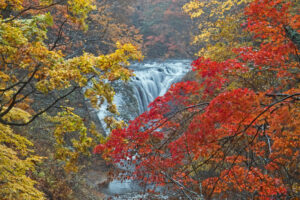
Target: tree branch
[
  {"x": 40, "y": 112},
  {"x": 59, "y": 35},
  {"x": 32, "y": 8},
  {"x": 13, "y": 99}
]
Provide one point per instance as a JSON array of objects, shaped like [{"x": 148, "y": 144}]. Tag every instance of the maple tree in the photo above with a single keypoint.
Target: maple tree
[
  {"x": 37, "y": 73},
  {"x": 233, "y": 132}
]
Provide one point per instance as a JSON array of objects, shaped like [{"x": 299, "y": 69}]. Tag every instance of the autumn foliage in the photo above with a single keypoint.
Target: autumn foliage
[
  {"x": 232, "y": 133},
  {"x": 40, "y": 67}
]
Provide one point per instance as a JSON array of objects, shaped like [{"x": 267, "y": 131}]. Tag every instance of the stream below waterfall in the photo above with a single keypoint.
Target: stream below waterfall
[{"x": 153, "y": 79}]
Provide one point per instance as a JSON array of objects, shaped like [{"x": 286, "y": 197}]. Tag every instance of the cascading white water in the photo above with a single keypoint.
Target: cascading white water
[{"x": 152, "y": 79}]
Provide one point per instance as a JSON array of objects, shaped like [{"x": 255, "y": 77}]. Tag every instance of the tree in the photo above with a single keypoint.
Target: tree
[
  {"x": 218, "y": 27},
  {"x": 234, "y": 132},
  {"x": 37, "y": 73}
]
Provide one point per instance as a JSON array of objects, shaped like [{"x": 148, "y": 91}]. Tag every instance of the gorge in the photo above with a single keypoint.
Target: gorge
[{"x": 152, "y": 79}]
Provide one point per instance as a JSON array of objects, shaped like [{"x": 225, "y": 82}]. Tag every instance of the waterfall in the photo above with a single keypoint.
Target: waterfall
[{"x": 153, "y": 79}]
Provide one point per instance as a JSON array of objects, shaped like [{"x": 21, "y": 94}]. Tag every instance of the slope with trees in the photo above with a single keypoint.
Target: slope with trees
[{"x": 165, "y": 28}]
